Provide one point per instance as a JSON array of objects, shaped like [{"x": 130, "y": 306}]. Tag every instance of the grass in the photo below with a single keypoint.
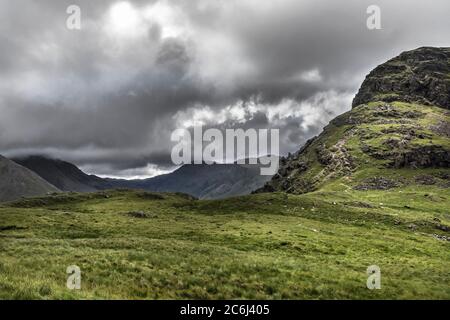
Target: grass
[
  {"x": 369, "y": 133},
  {"x": 264, "y": 246}
]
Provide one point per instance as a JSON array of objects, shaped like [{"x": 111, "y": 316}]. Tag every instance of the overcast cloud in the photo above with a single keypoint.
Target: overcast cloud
[{"x": 108, "y": 96}]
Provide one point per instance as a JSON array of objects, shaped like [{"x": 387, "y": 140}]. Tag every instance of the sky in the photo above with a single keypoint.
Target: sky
[{"x": 108, "y": 96}]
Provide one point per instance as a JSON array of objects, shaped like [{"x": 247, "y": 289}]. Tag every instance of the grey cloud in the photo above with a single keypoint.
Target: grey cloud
[{"x": 109, "y": 102}]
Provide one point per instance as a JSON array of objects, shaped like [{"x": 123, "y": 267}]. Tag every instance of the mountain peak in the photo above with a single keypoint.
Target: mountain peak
[
  {"x": 64, "y": 175},
  {"x": 17, "y": 181},
  {"x": 417, "y": 76},
  {"x": 399, "y": 120}
]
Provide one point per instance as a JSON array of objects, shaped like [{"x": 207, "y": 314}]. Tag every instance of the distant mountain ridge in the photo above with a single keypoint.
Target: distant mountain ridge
[
  {"x": 64, "y": 175},
  {"x": 17, "y": 181},
  {"x": 209, "y": 181},
  {"x": 201, "y": 181}
]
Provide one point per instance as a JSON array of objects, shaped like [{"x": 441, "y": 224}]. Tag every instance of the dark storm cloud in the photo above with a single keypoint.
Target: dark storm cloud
[{"x": 108, "y": 96}]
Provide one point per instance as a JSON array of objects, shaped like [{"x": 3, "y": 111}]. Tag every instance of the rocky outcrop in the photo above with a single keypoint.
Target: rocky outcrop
[
  {"x": 378, "y": 183},
  {"x": 420, "y": 76},
  {"x": 423, "y": 157},
  {"x": 398, "y": 121}
]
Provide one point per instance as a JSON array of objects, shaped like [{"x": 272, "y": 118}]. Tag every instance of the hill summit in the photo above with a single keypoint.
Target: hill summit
[
  {"x": 417, "y": 76},
  {"x": 17, "y": 181},
  {"x": 397, "y": 133},
  {"x": 64, "y": 175}
]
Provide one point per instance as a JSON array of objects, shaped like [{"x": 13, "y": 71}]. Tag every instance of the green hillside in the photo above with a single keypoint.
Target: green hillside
[
  {"x": 377, "y": 145},
  {"x": 397, "y": 133},
  {"x": 141, "y": 245},
  {"x": 372, "y": 189}
]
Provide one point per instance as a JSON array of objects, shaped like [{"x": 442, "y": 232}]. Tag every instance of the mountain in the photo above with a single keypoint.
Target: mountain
[
  {"x": 209, "y": 181},
  {"x": 63, "y": 175},
  {"x": 380, "y": 203},
  {"x": 397, "y": 133},
  {"x": 17, "y": 181},
  {"x": 201, "y": 181},
  {"x": 419, "y": 76}
]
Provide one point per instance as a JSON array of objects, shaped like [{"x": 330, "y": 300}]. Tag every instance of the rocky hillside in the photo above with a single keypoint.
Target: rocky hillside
[
  {"x": 397, "y": 133},
  {"x": 417, "y": 76},
  {"x": 17, "y": 181}
]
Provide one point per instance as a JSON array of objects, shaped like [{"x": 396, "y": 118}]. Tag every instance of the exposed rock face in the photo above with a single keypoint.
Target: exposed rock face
[
  {"x": 377, "y": 183},
  {"x": 399, "y": 120},
  {"x": 423, "y": 157},
  {"x": 421, "y": 76}
]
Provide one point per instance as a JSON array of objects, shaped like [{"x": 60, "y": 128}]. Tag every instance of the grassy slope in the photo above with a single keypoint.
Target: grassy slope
[
  {"x": 370, "y": 127},
  {"x": 315, "y": 245}
]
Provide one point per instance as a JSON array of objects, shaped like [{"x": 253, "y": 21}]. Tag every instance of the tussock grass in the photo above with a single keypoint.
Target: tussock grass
[{"x": 263, "y": 246}]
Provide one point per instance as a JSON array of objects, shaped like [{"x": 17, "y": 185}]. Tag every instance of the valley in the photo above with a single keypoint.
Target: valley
[
  {"x": 262, "y": 246},
  {"x": 373, "y": 189}
]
